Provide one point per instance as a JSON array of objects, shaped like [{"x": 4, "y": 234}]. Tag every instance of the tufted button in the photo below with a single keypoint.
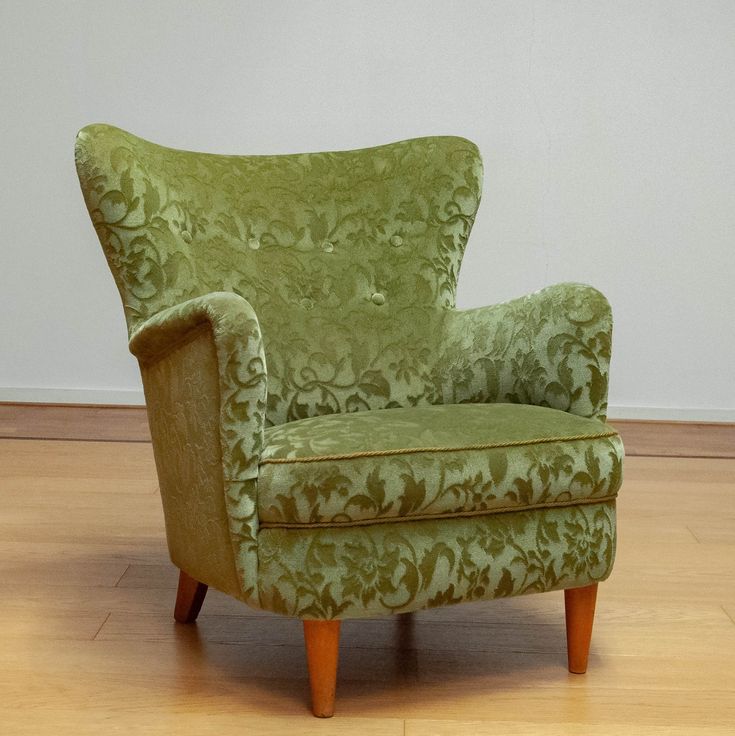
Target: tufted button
[
  {"x": 377, "y": 298},
  {"x": 327, "y": 247},
  {"x": 254, "y": 243},
  {"x": 186, "y": 236},
  {"x": 396, "y": 241}
]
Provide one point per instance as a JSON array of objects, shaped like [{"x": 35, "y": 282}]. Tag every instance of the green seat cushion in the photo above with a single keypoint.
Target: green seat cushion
[{"x": 432, "y": 462}]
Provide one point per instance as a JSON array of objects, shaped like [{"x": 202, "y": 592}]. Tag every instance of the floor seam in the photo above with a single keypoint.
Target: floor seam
[
  {"x": 96, "y": 633},
  {"x": 127, "y": 567}
]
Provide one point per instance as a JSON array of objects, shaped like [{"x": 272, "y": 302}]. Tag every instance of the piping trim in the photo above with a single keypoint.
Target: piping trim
[
  {"x": 415, "y": 450},
  {"x": 432, "y": 517}
]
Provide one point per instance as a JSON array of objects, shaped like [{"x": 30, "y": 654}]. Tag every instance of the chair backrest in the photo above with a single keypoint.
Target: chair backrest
[{"x": 350, "y": 259}]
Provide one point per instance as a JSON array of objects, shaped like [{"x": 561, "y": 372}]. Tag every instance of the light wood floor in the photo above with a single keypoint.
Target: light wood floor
[{"x": 88, "y": 644}]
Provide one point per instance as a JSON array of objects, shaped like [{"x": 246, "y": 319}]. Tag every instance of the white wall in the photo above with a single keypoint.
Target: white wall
[{"x": 607, "y": 128}]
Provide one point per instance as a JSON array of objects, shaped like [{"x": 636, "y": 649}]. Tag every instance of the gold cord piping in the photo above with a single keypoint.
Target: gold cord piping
[
  {"x": 432, "y": 517},
  {"x": 414, "y": 450}
]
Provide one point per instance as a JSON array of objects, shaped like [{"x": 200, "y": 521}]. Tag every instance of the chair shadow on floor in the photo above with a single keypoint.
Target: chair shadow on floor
[
  {"x": 386, "y": 665},
  {"x": 244, "y": 660}
]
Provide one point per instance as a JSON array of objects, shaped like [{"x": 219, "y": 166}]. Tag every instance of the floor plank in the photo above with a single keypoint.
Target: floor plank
[{"x": 416, "y": 727}]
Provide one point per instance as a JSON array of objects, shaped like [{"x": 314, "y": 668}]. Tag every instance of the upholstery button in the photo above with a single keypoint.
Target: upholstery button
[
  {"x": 377, "y": 298},
  {"x": 327, "y": 247},
  {"x": 396, "y": 241},
  {"x": 186, "y": 236},
  {"x": 254, "y": 243}
]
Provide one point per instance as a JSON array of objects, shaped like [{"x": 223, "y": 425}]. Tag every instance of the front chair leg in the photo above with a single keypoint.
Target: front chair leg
[
  {"x": 580, "y": 613},
  {"x": 189, "y": 599},
  {"x": 322, "y": 654}
]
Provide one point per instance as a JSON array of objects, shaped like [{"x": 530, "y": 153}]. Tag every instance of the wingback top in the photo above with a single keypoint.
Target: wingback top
[{"x": 349, "y": 259}]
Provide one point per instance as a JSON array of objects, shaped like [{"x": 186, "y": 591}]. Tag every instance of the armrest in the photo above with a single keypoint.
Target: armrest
[
  {"x": 240, "y": 362},
  {"x": 550, "y": 348},
  {"x": 204, "y": 376}
]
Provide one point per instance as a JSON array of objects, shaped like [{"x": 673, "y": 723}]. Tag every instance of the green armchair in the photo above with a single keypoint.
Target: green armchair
[{"x": 333, "y": 438}]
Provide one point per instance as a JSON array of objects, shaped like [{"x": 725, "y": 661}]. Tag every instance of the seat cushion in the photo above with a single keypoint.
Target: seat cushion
[{"x": 433, "y": 462}]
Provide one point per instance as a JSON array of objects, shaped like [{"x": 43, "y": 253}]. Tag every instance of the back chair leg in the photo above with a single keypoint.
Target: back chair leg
[
  {"x": 580, "y": 613},
  {"x": 322, "y": 654},
  {"x": 189, "y": 599}
]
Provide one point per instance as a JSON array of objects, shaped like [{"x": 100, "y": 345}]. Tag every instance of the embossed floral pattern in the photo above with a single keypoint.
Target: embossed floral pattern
[
  {"x": 392, "y": 568},
  {"x": 176, "y": 225},
  {"x": 222, "y": 390},
  {"x": 436, "y": 460},
  {"x": 317, "y": 284}
]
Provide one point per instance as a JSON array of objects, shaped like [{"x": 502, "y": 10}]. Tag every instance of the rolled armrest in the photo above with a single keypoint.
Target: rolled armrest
[
  {"x": 240, "y": 361},
  {"x": 550, "y": 348}
]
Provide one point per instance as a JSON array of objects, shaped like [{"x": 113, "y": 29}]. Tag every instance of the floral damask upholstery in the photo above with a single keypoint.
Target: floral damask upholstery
[
  {"x": 450, "y": 460},
  {"x": 333, "y": 438}
]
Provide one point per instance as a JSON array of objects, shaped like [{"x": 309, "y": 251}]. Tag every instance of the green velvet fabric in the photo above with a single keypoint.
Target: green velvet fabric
[
  {"x": 185, "y": 419},
  {"x": 206, "y": 416},
  {"x": 350, "y": 261},
  {"x": 262, "y": 291},
  {"x": 435, "y": 460},
  {"x": 406, "y": 566}
]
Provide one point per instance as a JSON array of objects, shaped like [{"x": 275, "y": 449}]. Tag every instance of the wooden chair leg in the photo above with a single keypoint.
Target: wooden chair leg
[
  {"x": 322, "y": 654},
  {"x": 579, "y": 604},
  {"x": 189, "y": 599}
]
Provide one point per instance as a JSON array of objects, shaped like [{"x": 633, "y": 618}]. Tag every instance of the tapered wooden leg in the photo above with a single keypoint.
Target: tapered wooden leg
[
  {"x": 580, "y": 613},
  {"x": 322, "y": 654},
  {"x": 189, "y": 599}
]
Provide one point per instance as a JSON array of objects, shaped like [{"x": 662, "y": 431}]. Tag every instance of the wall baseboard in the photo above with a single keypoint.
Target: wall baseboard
[{"x": 128, "y": 397}]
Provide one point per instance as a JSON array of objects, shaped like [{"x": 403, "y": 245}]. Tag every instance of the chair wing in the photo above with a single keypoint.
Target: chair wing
[{"x": 551, "y": 348}]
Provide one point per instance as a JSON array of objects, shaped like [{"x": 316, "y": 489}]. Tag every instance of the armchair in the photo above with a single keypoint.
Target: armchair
[{"x": 333, "y": 439}]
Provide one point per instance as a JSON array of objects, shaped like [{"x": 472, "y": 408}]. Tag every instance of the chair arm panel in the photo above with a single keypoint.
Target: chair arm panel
[
  {"x": 550, "y": 348},
  {"x": 205, "y": 382}
]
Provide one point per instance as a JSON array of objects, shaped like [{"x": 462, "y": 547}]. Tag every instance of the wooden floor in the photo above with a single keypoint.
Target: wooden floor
[{"x": 88, "y": 644}]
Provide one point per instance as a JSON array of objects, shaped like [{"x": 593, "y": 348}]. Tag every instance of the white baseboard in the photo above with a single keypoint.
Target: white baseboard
[{"x": 127, "y": 397}]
